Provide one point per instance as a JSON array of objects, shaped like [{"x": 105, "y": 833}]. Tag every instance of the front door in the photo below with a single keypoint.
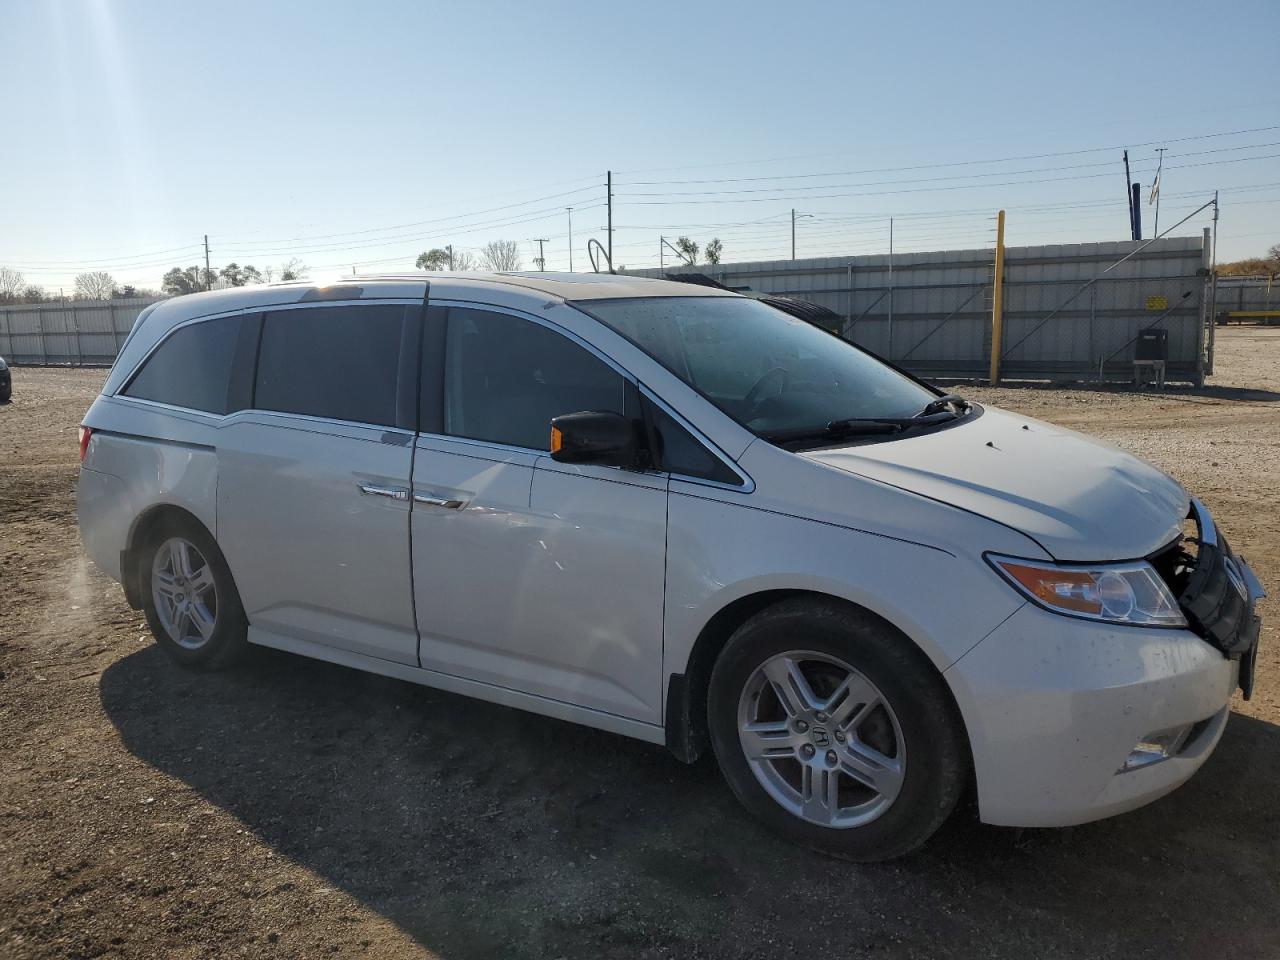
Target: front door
[
  {"x": 313, "y": 483},
  {"x": 532, "y": 575}
]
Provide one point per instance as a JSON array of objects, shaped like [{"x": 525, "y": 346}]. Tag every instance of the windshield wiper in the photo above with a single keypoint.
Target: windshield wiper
[
  {"x": 857, "y": 427},
  {"x": 941, "y": 403}
]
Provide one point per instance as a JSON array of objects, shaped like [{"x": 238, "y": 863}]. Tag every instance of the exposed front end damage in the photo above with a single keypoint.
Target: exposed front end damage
[{"x": 1217, "y": 591}]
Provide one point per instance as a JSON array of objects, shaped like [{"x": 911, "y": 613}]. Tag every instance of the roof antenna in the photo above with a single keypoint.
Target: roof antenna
[{"x": 595, "y": 249}]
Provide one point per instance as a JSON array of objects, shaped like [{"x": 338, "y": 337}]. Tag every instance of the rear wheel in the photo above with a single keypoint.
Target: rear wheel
[
  {"x": 836, "y": 731},
  {"x": 190, "y": 600}
]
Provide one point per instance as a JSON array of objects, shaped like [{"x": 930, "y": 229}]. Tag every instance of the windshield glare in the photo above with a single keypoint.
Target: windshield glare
[{"x": 768, "y": 370}]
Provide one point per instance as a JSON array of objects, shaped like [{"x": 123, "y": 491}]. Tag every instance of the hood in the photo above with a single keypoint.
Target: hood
[{"x": 1078, "y": 498}]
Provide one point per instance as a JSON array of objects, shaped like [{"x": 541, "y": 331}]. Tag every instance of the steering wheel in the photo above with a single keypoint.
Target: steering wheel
[{"x": 755, "y": 396}]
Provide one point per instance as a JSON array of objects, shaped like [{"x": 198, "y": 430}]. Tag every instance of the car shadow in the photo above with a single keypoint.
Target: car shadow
[{"x": 483, "y": 831}]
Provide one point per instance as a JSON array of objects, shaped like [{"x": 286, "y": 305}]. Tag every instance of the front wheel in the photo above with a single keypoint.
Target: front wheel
[
  {"x": 190, "y": 600},
  {"x": 836, "y": 731}
]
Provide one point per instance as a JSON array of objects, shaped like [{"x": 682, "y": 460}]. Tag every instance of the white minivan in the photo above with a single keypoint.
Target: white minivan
[{"x": 678, "y": 514}]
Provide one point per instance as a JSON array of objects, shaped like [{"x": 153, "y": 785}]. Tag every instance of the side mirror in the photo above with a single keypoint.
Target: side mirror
[{"x": 608, "y": 439}]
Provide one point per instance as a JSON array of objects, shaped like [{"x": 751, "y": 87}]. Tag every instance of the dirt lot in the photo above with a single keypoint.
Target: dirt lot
[{"x": 296, "y": 809}]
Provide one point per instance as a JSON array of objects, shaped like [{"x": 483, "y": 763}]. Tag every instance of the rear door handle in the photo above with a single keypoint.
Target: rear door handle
[
  {"x": 433, "y": 501},
  {"x": 374, "y": 490}
]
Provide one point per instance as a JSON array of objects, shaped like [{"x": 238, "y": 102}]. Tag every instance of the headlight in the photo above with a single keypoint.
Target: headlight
[{"x": 1129, "y": 593}]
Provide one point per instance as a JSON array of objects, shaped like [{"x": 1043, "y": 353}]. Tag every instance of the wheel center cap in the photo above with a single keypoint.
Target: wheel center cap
[{"x": 819, "y": 736}]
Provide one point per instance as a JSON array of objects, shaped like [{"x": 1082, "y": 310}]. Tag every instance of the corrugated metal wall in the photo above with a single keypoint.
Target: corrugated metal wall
[
  {"x": 76, "y": 332},
  {"x": 931, "y": 312},
  {"x": 1248, "y": 294},
  {"x": 927, "y": 312}
]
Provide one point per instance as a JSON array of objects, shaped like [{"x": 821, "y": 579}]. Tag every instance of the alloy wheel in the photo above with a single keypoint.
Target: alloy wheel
[
  {"x": 184, "y": 592},
  {"x": 821, "y": 739}
]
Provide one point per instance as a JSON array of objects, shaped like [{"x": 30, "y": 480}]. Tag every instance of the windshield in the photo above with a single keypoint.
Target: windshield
[{"x": 771, "y": 372}]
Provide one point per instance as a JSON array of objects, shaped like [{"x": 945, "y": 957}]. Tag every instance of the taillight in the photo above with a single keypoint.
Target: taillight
[{"x": 85, "y": 434}]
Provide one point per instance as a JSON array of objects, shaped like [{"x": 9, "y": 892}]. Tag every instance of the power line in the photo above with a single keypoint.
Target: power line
[
  {"x": 416, "y": 223},
  {"x": 1031, "y": 156},
  {"x": 929, "y": 166},
  {"x": 881, "y": 193}
]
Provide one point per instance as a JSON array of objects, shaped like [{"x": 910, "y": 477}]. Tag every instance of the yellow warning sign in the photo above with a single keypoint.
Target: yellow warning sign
[{"x": 1158, "y": 303}]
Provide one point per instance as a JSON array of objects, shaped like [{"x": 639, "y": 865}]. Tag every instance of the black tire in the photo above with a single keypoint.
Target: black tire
[
  {"x": 936, "y": 752},
  {"x": 228, "y": 639}
]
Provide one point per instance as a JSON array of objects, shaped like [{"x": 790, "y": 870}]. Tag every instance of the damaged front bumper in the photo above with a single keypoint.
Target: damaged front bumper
[{"x": 1219, "y": 596}]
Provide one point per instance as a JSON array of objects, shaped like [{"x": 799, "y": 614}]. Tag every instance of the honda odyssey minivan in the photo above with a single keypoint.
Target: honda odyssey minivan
[{"x": 677, "y": 514}]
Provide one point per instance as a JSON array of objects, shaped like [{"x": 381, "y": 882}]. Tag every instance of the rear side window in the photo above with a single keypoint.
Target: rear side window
[
  {"x": 506, "y": 378},
  {"x": 191, "y": 368},
  {"x": 340, "y": 363}
]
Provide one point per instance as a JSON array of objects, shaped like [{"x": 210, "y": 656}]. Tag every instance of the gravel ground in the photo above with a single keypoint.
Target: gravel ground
[{"x": 296, "y": 809}]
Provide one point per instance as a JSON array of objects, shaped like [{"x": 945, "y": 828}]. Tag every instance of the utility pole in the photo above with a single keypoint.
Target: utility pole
[
  {"x": 997, "y": 301},
  {"x": 609, "y": 189},
  {"x": 1128, "y": 195},
  {"x": 570, "y": 209},
  {"x": 889, "y": 353},
  {"x": 662, "y": 266},
  {"x": 542, "y": 261},
  {"x": 1213, "y": 281},
  {"x": 1155, "y": 190},
  {"x": 794, "y": 217},
  {"x": 449, "y": 250},
  {"x": 208, "y": 279}
]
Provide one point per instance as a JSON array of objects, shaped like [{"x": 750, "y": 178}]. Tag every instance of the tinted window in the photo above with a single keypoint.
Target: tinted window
[
  {"x": 341, "y": 363},
  {"x": 506, "y": 378},
  {"x": 766, "y": 369},
  {"x": 678, "y": 451},
  {"x": 192, "y": 368}
]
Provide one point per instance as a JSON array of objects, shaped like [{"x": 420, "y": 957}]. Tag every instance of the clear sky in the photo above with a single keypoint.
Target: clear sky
[{"x": 359, "y": 134}]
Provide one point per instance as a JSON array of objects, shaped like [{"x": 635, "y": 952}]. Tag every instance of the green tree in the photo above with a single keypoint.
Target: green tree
[
  {"x": 238, "y": 276},
  {"x": 433, "y": 259},
  {"x": 688, "y": 249},
  {"x": 178, "y": 282},
  {"x": 714, "y": 250}
]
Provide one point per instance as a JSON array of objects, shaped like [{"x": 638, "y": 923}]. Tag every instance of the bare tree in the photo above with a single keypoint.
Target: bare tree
[
  {"x": 500, "y": 255},
  {"x": 714, "y": 250},
  {"x": 464, "y": 260},
  {"x": 293, "y": 269},
  {"x": 33, "y": 293},
  {"x": 95, "y": 285},
  {"x": 10, "y": 283}
]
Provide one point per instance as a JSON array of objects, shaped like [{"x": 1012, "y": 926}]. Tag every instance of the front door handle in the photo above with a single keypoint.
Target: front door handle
[
  {"x": 433, "y": 501},
  {"x": 374, "y": 490}
]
